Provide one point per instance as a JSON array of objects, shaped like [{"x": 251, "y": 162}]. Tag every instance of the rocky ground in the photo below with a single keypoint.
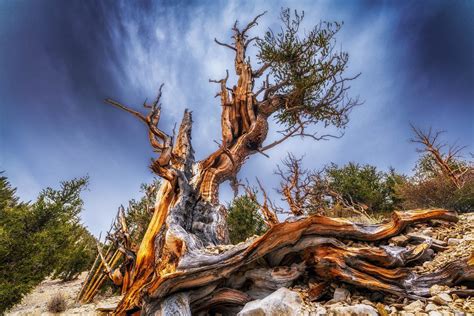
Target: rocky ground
[
  {"x": 36, "y": 302},
  {"x": 455, "y": 241}
]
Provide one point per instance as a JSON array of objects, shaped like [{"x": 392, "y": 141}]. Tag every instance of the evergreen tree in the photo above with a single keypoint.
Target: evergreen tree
[
  {"x": 364, "y": 184},
  {"x": 244, "y": 220},
  {"x": 42, "y": 238}
]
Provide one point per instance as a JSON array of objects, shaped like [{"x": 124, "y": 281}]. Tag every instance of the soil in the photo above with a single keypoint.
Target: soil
[{"x": 36, "y": 302}]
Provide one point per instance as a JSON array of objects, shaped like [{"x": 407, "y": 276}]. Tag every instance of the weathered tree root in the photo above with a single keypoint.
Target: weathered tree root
[{"x": 288, "y": 250}]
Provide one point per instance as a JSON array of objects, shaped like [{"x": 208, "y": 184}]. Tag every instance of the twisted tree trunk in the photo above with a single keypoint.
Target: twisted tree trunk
[{"x": 182, "y": 263}]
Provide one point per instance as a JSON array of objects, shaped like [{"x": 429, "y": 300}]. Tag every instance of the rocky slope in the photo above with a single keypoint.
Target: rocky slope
[{"x": 454, "y": 241}]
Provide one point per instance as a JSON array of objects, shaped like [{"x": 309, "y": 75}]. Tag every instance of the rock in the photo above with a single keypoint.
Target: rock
[
  {"x": 399, "y": 240},
  {"x": 436, "y": 289},
  {"x": 104, "y": 308},
  {"x": 317, "y": 310},
  {"x": 341, "y": 295},
  {"x": 414, "y": 306},
  {"x": 435, "y": 313},
  {"x": 281, "y": 302},
  {"x": 442, "y": 299},
  {"x": 428, "y": 231},
  {"x": 367, "y": 302},
  {"x": 430, "y": 307},
  {"x": 358, "y": 309},
  {"x": 454, "y": 241}
]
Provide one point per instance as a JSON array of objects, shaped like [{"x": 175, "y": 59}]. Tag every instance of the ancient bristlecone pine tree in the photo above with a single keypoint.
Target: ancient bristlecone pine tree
[{"x": 181, "y": 263}]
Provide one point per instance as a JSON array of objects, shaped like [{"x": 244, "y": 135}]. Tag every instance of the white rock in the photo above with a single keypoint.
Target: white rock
[
  {"x": 435, "y": 313},
  {"x": 358, "y": 309},
  {"x": 414, "y": 306},
  {"x": 435, "y": 289},
  {"x": 454, "y": 241},
  {"x": 281, "y": 302},
  {"x": 428, "y": 231},
  {"x": 430, "y": 307},
  {"x": 341, "y": 295},
  {"x": 442, "y": 299}
]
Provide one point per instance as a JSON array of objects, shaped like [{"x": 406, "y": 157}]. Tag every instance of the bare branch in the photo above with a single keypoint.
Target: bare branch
[
  {"x": 225, "y": 45},
  {"x": 267, "y": 208},
  {"x": 258, "y": 73},
  {"x": 127, "y": 109},
  {"x": 446, "y": 162},
  {"x": 295, "y": 184},
  {"x": 251, "y": 24},
  {"x": 281, "y": 140}
]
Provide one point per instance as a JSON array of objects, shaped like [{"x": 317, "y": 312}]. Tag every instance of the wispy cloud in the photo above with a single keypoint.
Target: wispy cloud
[{"x": 57, "y": 69}]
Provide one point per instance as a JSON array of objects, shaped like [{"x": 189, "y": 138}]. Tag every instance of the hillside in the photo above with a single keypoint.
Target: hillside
[{"x": 458, "y": 238}]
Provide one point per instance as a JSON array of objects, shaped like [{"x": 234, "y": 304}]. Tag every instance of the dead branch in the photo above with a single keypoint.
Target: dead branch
[
  {"x": 446, "y": 162},
  {"x": 268, "y": 210},
  {"x": 295, "y": 184},
  {"x": 160, "y": 141}
]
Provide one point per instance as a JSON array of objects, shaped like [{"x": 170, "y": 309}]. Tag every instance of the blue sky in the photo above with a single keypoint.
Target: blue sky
[{"x": 59, "y": 60}]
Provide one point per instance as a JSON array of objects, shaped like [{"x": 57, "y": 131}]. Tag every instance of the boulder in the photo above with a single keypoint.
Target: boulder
[{"x": 281, "y": 302}]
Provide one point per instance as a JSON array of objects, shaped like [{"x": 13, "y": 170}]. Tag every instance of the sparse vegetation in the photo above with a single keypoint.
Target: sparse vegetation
[
  {"x": 57, "y": 304},
  {"x": 442, "y": 176},
  {"x": 244, "y": 220}
]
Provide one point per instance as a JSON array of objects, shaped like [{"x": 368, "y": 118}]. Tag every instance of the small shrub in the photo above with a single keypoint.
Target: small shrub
[
  {"x": 438, "y": 191},
  {"x": 57, "y": 304},
  {"x": 244, "y": 220}
]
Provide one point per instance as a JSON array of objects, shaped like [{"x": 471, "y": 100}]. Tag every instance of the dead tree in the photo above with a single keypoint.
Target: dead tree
[
  {"x": 180, "y": 264},
  {"x": 295, "y": 185},
  {"x": 447, "y": 163}
]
